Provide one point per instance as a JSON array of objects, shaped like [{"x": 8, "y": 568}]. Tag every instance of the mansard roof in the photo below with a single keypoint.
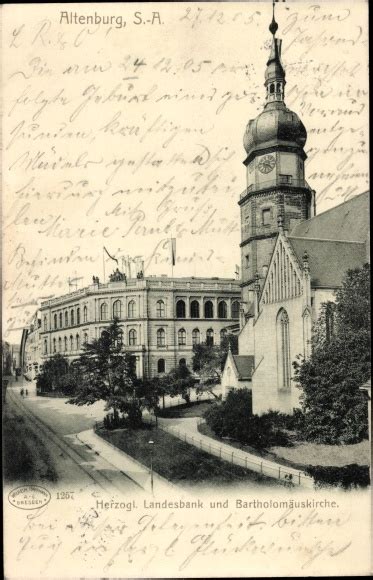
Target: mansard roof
[
  {"x": 329, "y": 260},
  {"x": 244, "y": 366},
  {"x": 348, "y": 221}
]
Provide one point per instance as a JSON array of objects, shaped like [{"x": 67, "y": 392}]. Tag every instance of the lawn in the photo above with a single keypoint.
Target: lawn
[
  {"x": 25, "y": 457},
  {"x": 301, "y": 454},
  {"x": 194, "y": 409},
  {"x": 180, "y": 462}
]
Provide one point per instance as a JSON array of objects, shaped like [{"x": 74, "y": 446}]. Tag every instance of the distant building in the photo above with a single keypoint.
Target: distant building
[
  {"x": 162, "y": 318},
  {"x": 30, "y": 350}
]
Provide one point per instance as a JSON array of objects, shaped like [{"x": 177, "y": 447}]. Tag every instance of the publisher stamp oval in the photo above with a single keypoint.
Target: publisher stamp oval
[{"x": 29, "y": 497}]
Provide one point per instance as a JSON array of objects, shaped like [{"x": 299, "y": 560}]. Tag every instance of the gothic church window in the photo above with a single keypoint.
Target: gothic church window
[{"x": 283, "y": 349}]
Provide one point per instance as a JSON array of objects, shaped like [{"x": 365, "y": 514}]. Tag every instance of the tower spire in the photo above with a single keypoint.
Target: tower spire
[{"x": 275, "y": 74}]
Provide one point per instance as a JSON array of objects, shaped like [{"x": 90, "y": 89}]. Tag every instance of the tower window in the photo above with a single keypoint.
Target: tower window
[
  {"x": 266, "y": 217},
  {"x": 287, "y": 179},
  {"x": 247, "y": 260},
  {"x": 272, "y": 89}
]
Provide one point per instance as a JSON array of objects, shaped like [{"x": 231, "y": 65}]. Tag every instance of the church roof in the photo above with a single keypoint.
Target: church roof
[
  {"x": 348, "y": 221},
  {"x": 244, "y": 365},
  {"x": 329, "y": 260}
]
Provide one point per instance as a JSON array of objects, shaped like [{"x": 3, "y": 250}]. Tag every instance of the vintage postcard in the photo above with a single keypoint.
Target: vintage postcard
[{"x": 186, "y": 290}]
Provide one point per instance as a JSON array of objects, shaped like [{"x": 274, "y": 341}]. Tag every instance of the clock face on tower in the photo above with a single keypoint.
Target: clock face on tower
[{"x": 267, "y": 163}]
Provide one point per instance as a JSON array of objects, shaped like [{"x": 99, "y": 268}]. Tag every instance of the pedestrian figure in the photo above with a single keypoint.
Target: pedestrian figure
[
  {"x": 22, "y": 392},
  {"x": 26, "y": 392}
]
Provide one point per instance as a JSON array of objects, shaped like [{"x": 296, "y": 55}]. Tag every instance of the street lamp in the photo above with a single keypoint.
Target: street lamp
[{"x": 151, "y": 443}]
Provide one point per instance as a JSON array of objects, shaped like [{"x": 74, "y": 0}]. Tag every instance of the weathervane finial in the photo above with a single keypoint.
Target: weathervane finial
[{"x": 273, "y": 27}]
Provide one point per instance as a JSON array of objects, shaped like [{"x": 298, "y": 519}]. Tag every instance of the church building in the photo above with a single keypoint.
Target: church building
[{"x": 292, "y": 260}]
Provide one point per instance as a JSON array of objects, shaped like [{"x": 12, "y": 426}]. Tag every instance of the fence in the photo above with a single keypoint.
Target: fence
[{"x": 289, "y": 476}]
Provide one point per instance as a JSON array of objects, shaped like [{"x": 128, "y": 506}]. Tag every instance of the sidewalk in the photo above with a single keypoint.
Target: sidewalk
[
  {"x": 135, "y": 470},
  {"x": 187, "y": 430}
]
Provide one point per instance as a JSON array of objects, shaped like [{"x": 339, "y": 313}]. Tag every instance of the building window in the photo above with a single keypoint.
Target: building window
[
  {"x": 283, "y": 347},
  {"x": 66, "y": 319},
  {"x": 210, "y": 337},
  {"x": 196, "y": 337},
  {"x": 223, "y": 334},
  {"x": 85, "y": 338},
  {"x": 77, "y": 342},
  {"x": 161, "y": 366},
  {"x": 247, "y": 260},
  {"x": 160, "y": 309},
  {"x": 132, "y": 309},
  {"x": 117, "y": 309},
  {"x": 182, "y": 362},
  {"x": 286, "y": 179},
  {"x": 235, "y": 309},
  {"x": 54, "y": 345},
  {"x": 132, "y": 337},
  {"x": 329, "y": 321},
  {"x": 45, "y": 323},
  {"x": 209, "y": 309},
  {"x": 78, "y": 315},
  {"x": 60, "y": 318},
  {"x": 182, "y": 337},
  {"x": 103, "y": 311},
  {"x": 194, "y": 309},
  {"x": 180, "y": 309},
  {"x": 45, "y": 347},
  {"x": 71, "y": 343},
  {"x": 72, "y": 317},
  {"x": 222, "y": 309},
  {"x": 60, "y": 344},
  {"x": 85, "y": 314},
  {"x": 161, "y": 337},
  {"x": 266, "y": 217},
  {"x": 65, "y": 341}
]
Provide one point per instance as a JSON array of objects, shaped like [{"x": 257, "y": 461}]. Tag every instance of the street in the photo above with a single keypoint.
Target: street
[{"x": 56, "y": 425}]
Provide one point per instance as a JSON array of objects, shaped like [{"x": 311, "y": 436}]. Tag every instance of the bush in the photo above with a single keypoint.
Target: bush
[
  {"x": 348, "y": 476},
  {"x": 233, "y": 418}
]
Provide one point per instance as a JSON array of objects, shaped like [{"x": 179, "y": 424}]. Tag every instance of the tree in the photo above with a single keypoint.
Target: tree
[
  {"x": 209, "y": 361},
  {"x": 107, "y": 373},
  {"x": 334, "y": 410},
  {"x": 54, "y": 375}
]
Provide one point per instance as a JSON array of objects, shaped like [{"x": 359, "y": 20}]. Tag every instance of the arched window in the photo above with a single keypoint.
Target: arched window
[
  {"x": 160, "y": 309},
  {"x": 209, "y": 309},
  {"x": 182, "y": 362},
  {"x": 161, "y": 337},
  {"x": 278, "y": 88},
  {"x": 117, "y": 309},
  {"x": 182, "y": 337},
  {"x": 131, "y": 309},
  {"x": 194, "y": 309},
  {"x": 60, "y": 317},
  {"x": 66, "y": 318},
  {"x": 196, "y": 337},
  {"x": 85, "y": 314},
  {"x": 235, "y": 309},
  {"x": 132, "y": 337},
  {"x": 45, "y": 323},
  {"x": 329, "y": 321},
  {"x": 65, "y": 343},
  {"x": 180, "y": 309},
  {"x": 71, "y": 343},
  {"x": 307, "y": 333},
  {"x": 210, "y": 337},
  {"x": 283, "y": 350},
  {"x": 222, "y": 309},
  {"x": 85, "y": 338},
  {"x": 77, "y": 342},
  {"x": 55, "y": 322},
  {"x": 223, "y": 334},
  {"x": 45, "y": 346},
  {"x": 103, "y": 311},
  {"x": 272, "y": 88},
  {"x": 72, "y": 317},
  {"x": 161, "y": 366},
  {"x": 60, "y": 344},
  {"x": 78, "y": 315},
  {"x": 54, "y": 345}
]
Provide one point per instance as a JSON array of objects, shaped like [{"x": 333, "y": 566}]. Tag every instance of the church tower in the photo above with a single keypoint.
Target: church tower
[{"x": 277, "y": 194}]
